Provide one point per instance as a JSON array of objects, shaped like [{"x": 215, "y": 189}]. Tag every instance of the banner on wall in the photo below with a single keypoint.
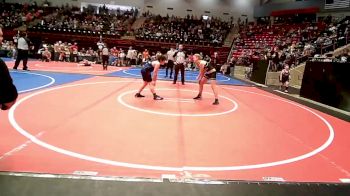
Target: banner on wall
[{"x": 336, "y": 4}]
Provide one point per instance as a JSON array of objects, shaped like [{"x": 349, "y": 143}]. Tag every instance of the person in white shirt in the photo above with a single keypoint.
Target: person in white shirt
[
  {"x": 23, "y": 48},
  {"x": 170, "y": 64},
  {"x": 121, "y": 57},
  {"x": 207, "y": 72},
  {"x": 129, "y": 56},
  {"x": 46, "y": 55},
  {"x": 224, "y": 68},
  {"x": 100, "y": 46},
  {"x": 86, "y": 62},
  {"x": 180, "y": 58},
  {"x": 134, "y": 57},
  {"x": 57, "y": 50},
  {"x": 105, "y": 57}
]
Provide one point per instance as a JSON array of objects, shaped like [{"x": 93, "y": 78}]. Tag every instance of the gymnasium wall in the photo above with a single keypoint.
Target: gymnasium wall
[
  {"x": 338, "y": 14},
  {"x": 77, "y": 3},
  {"x": 217, "y": 8},
  {"x": 280, "y": 1},
  {"x": 265, "y": 10}
]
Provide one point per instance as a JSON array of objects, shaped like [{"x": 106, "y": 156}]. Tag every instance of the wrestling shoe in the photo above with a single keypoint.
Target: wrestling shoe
[
  {"x": 216, "y": 102},
  {"x": 139, "y": 95},
  {"x": 198, "y": 97},
  {"x": 157, "y": 97}
]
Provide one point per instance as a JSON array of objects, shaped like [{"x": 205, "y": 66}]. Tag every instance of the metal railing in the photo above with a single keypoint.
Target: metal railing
[{"x": 336, "y": 43}]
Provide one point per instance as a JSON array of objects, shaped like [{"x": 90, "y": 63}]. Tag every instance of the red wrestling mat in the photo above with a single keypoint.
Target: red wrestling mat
[
  {"x": 97, "y": 126},
  {"x": 67, "y": 67}
]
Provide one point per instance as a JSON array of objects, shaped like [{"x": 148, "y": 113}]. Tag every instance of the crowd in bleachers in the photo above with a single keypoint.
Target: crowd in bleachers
[
  {"x": 8, "y": 49},
  {"x": 285, "y": 43},
  {"x": 67, "y": 19},
  {"x": 278, "y": 43},
  {"x": 193, "y": 30},
  {"x": 70, "y": 52},
  {"x": 15, "y": 15},
  {"x": 72, "y": 20}
]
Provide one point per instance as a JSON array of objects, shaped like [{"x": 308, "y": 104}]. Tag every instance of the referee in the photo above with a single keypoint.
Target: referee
[
  {"x": 22, "y": 48},
  {"x": 8, "y": 92},
  {"x": 180, "y": 58}
]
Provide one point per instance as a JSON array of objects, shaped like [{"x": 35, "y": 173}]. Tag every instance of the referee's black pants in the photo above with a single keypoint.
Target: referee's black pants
[
  {"x": 169, "y": 65},
  {"x": 179, "y": 67},
  {"x": 21, "y": 55},
  {"x": 105, "y": 61}
]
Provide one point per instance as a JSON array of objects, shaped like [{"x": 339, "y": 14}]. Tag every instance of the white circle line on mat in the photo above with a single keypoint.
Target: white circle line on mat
[
  {"x": 139, "y": 75},
  {"x": 52, "y": 81},
  {"x": 120, "y": 100},
  {"x": 11, "y": 116}
]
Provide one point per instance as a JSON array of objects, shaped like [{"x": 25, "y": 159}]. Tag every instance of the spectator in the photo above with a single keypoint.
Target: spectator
[
  {"x": 224, "y": 69},
  {"x": 46, "y": 55}
]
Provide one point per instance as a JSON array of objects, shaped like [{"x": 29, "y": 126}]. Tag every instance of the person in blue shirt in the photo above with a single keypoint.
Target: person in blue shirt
[{"x": 148, "y": 78}]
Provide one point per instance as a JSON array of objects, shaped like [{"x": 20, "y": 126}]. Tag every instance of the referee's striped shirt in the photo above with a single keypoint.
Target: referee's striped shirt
[{"x": 22, "y": 44}]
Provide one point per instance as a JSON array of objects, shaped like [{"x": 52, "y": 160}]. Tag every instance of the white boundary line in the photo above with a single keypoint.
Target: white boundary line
[
  {"x": 161, "y": 74},
  {"x": 344, "y": 180},
  {"x": 58, "y": 69},
  {"x": 314, "y": 102},
  {"x": 120, "y": 100},
  {"x": 36, "y": 88},
  {"x": 80, "y": 177},
  {"x": 11, "y": 116},
  {"x": 178, "y": 100},
  {"x": 19, "y": 148}
]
